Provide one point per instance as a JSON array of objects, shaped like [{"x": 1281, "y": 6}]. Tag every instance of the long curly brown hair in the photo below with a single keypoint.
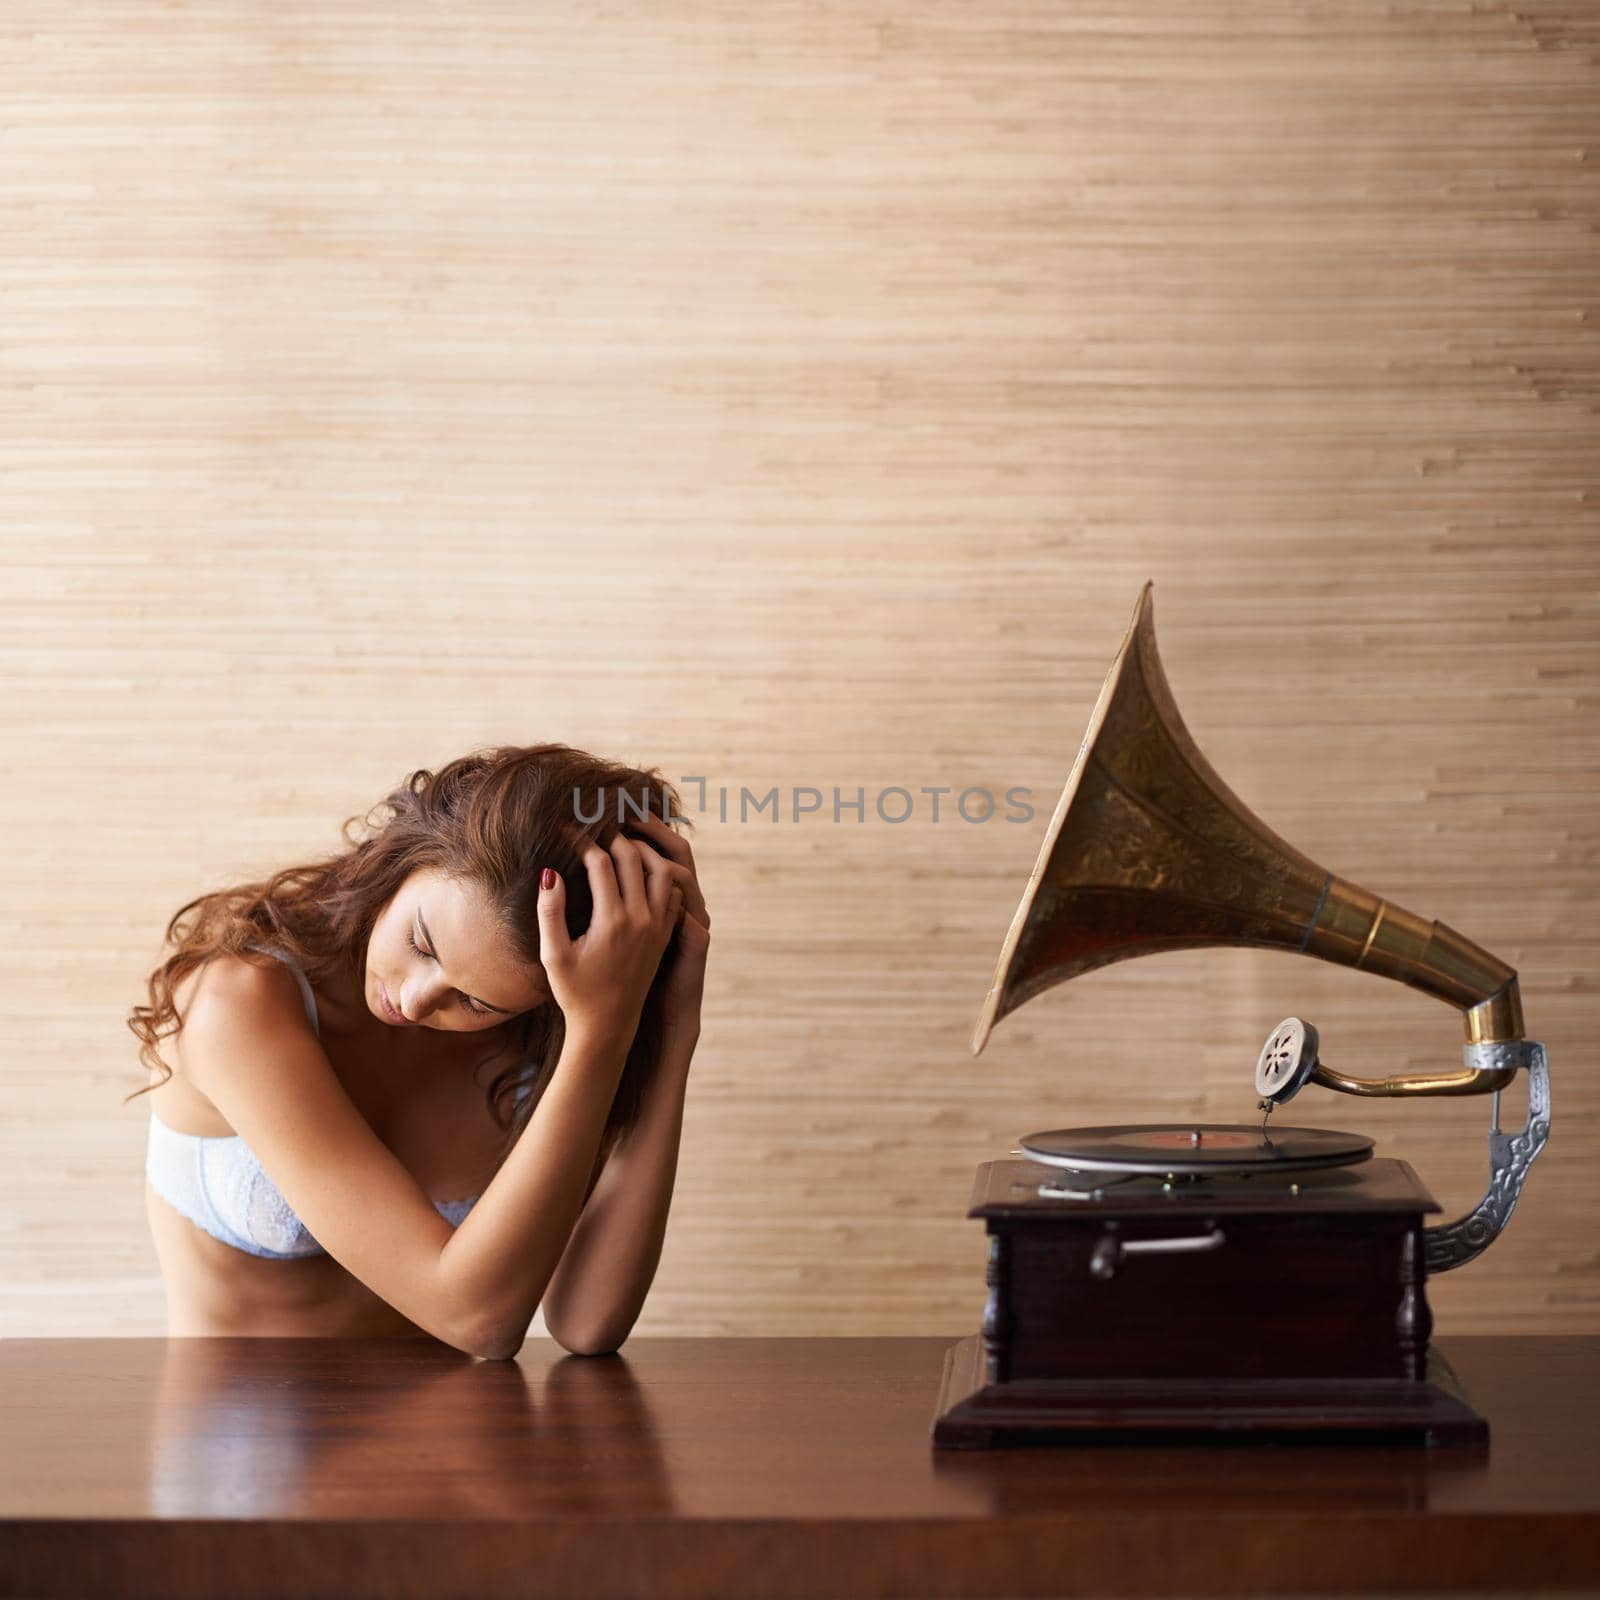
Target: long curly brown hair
[{"x": 493, "y": 818}]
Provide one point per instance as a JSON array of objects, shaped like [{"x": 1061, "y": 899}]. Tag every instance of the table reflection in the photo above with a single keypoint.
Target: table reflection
[{"x": 386, "y": 1428}]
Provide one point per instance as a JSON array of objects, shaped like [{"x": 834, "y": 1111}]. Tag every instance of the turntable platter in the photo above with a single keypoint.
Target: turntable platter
[{"x": 1194, "y": 1149}]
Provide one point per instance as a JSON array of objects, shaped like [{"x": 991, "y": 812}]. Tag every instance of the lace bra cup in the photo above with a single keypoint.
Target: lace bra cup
[{"x": 218, "y": 1183}]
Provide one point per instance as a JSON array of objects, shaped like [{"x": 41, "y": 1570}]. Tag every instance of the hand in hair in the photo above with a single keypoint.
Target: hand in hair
[
  {"x": 668, "y": 851},
  {"x": 601, "y": 978}
]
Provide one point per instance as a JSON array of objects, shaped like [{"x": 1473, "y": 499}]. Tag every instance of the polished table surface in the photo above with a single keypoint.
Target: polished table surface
[{"x": 732, "y": 1467}]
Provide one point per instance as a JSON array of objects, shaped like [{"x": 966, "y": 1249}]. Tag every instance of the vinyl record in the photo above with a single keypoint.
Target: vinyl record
[{"x": 1194, "y": 1149}]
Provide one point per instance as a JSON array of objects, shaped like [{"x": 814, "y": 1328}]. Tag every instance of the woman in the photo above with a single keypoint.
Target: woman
[{"x": 434, "y": 1082}]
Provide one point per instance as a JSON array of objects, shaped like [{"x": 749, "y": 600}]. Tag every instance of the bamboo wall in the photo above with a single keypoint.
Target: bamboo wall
[{"x": 798, "y": 396}]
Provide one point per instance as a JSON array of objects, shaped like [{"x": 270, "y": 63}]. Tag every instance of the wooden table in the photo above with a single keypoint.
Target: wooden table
[{"x": 731, "y": 1467}]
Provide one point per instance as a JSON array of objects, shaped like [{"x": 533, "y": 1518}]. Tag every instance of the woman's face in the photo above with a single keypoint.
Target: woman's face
[{"x": 440, "y": 959}]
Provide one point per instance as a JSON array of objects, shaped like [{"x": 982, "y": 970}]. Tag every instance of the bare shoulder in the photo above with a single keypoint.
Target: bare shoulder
[
  {"x": 230, "y": 979},
  {"x": 234, "y": 999}
]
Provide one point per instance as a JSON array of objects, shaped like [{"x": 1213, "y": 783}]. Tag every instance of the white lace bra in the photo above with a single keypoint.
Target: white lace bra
[{"x": 220, "y": 1186}]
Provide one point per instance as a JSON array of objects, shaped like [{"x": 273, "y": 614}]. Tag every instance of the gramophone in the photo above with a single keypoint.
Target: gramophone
[{"x": 1230, "y": 1283}]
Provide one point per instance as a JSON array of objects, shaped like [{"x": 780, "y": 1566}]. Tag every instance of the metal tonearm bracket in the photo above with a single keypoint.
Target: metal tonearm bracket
[{"x": 1510, "y": 1156}]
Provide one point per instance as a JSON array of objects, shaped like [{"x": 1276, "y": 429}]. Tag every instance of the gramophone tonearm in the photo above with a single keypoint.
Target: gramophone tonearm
[{"x": 1288, "y": 1061}]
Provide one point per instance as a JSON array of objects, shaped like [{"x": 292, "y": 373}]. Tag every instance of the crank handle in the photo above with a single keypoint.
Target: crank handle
[{"x": 1112, "y": 1248}]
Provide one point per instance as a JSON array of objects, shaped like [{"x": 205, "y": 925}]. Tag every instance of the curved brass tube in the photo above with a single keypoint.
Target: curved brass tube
[
  {"x": 1354, "y": 928},
  {"x": 1466, "y": 1080},
  {"x": 1358, "y": 929}
]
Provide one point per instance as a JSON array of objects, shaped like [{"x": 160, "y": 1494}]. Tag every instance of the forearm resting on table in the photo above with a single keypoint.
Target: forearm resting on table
[
  {"x": 599, "y": 1288},
  {"x": 499, "y": 1260}
]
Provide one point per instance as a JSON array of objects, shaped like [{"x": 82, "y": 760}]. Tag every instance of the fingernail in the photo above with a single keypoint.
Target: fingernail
[{"x": 547, "y": 878}]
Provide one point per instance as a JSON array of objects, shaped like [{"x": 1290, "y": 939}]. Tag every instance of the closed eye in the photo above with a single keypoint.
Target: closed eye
[{"x": 466, "y": 1000}]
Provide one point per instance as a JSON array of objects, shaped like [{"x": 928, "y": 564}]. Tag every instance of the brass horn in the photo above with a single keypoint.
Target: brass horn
[{"x": 1149, "y": 850}]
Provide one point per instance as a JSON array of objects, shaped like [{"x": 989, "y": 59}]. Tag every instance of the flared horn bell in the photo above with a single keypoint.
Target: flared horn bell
[{"x": 1149, "y": 850}]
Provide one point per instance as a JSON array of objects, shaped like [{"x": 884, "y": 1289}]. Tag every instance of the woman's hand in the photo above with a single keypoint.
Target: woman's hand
[
  {"x": 685, "y": 985},
  {"x": 601, "y": 978}
]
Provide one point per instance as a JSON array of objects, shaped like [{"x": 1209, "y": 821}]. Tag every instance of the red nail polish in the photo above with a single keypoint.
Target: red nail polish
[{"x": 547, "y": 879}]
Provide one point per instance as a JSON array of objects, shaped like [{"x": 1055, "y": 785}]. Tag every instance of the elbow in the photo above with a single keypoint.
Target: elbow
[
  {"x": 498, "y": 1351},
  {"x": 590, "y": 1347},
  {"x": 494, "y": 1344},
  {"x": 595, "y": 1343}
]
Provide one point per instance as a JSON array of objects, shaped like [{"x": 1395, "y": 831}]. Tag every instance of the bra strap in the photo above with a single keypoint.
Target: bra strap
[{"x": 300, "y": 978}]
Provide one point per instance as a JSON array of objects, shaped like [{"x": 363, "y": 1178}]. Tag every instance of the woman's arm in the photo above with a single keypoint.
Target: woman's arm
[
  {"x": 503, "y": 1255},
  {"x": 594, "y": 1298}
]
